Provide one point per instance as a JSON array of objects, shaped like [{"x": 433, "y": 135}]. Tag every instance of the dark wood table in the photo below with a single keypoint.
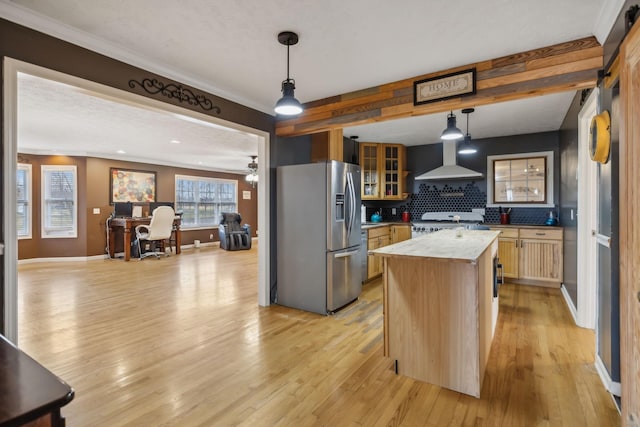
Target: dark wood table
[
  {"x": 127, "y": 226},
  {"x": 29, "y": 393}
]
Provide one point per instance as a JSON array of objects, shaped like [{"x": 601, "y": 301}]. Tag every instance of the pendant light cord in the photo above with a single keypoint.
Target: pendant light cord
[
  {"x": 288, "y": 45},
  {"x": 467, "y": 124}
]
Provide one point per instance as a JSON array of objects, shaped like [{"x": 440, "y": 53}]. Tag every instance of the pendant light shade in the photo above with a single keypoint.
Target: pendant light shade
[
  {"x": 467, "y": 147},
  {"x": 451, "y": 132},
  {"x": 288, "y": 105}
]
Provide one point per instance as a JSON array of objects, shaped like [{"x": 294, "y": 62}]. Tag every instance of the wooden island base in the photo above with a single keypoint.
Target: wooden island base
[{"x": 438, "y": 318}]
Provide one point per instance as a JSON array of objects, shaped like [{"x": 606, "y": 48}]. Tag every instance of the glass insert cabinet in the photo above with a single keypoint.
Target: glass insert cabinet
[{"x": 383, "y": 172}]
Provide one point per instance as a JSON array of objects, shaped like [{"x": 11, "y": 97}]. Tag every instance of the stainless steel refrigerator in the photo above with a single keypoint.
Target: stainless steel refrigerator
[{"x": 318, "y": 236}]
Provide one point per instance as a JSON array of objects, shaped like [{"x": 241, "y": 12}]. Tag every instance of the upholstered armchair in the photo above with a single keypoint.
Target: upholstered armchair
[{"x": 233, "y": 236}]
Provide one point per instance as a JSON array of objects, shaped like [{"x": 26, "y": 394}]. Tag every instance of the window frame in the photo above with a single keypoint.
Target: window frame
[
  {"x": 549, "y": 197},
  {"x": 28, "y": 201},
  {"x": 62, "y": 234},
  {"x": 199, "y": 179}
]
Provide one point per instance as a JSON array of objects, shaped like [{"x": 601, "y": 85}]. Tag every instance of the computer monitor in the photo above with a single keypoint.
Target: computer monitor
[
  {"x": 122, "y": 209},
  {"x": 153, "y": 205}
]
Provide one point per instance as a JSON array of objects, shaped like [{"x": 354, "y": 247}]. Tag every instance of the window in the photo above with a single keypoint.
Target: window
[
  {"x": 520, "y": 180},
  {"x": 59, "y": 202},
  {"x": 202, "y": 200},
  {"x": 23, "y": 201}
]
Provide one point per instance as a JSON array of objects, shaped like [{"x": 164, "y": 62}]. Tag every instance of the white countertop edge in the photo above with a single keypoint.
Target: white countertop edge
[{"x": 442, "y": 245}]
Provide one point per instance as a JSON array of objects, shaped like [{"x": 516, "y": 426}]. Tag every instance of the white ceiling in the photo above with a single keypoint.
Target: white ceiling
[{"x": 231, "y": 49}]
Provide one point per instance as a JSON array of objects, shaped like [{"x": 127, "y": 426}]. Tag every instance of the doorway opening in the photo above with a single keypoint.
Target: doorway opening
[{"x": 12, "y": 68}]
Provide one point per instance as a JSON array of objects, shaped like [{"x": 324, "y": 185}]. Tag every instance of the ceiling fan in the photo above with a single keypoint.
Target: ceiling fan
[{"x": 252, "y": 176}]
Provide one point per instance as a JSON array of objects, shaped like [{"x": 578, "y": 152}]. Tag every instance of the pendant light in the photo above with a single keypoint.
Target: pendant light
[
  {"x": 288, "y": 105},
  {"x": 466, "y": 147},
  {"x": 451, "y": 132}
]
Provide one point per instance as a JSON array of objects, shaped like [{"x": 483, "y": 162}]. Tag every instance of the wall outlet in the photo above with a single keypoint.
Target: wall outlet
[
  {"x": 96, "y": 211},
  {"x": 393, "y": 211},
  {"x": 211, "y": 236},
  {"x": 478, "y": 210}
]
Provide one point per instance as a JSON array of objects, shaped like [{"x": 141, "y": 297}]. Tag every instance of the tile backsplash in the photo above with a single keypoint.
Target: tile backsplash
[{"x": 452, "y": 198}]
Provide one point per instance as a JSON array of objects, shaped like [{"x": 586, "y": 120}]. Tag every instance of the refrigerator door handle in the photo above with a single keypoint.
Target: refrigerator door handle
[
  {"x": 347, "y": 205},
  {"x": 352, "y": 203},
  {"x": 346, "y": 254}
]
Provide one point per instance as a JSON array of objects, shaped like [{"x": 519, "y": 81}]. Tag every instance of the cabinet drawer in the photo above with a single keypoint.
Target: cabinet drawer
[
  {"x": 540, "y": 233},
  {"x": 506, "y": 232},
  {"x": 378, "y": 231}
]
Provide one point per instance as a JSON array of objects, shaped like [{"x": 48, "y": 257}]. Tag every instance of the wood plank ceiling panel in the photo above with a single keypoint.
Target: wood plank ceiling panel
[{"x": 562, "y": 67}]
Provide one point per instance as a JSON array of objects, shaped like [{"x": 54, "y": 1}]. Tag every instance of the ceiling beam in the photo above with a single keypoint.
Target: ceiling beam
[{"x": 562, "y": 67}]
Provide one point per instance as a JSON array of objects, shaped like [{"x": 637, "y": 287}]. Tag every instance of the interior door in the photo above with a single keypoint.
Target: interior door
[{"x": 629, "y": 212}]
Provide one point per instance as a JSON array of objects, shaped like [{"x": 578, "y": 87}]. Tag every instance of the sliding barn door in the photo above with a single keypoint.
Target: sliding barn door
[{"x": 630, "y": 226}]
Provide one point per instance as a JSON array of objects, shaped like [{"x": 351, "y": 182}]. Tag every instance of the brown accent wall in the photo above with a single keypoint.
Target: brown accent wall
[
  {"x": 37, "y": 247},
  {"x": 93, "y": 192}
]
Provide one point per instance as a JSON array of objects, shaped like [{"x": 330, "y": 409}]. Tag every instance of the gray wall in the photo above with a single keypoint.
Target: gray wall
[
  {"x": 569, "y": 195},
  {"x": 608, "y": 322},
  {"x": 284, "y": 151},
  {"x": 424, "y": 158}
]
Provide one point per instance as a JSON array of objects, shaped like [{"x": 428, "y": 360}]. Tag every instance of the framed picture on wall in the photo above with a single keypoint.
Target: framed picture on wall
[{"x": 128, "y": 185}]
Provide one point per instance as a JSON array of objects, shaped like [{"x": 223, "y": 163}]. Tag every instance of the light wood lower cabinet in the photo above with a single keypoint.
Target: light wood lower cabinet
[
  {"x": 532, "y": 255},
  {"x": 508, "y": 253},
  {"x": 378, "y": 237},
  {"x": 541, "y": 255},
  {"x": 400, "y": 232}
]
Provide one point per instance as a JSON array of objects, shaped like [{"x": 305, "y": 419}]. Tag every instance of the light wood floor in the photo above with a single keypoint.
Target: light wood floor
[{"x": 181, "y": 341}]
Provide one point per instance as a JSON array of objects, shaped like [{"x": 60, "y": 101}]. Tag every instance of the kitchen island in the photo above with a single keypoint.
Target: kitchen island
[{"x": 439, "y": 307}]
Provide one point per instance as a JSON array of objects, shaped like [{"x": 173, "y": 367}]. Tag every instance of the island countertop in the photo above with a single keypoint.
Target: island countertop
[{"x": 442, "y": 244}]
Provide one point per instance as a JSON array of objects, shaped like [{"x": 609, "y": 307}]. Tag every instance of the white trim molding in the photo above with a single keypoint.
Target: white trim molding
[
  {"x": 587, "y": 177},
  {"x": 570, "y": 304},
  {"x": 612, "y": 387}
]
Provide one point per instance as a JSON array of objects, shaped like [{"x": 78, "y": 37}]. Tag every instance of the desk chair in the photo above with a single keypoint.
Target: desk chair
[
  {"x": 172, "y": 239},
  {"x": 158, "y": 230}
]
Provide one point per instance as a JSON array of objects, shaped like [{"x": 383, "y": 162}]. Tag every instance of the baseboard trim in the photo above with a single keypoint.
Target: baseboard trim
[
  {"x": 569, "y": 302},
  {"x": 612, "y": 387},
  {"x": 117, "y": 255},
  {"x": 62, "y": 259}
]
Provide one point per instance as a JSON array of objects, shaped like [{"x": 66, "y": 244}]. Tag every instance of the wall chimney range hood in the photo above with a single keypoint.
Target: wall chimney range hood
[{"x": 449, "y": 168}]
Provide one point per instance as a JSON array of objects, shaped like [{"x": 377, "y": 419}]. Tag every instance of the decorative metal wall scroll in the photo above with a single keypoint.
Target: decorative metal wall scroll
[{"x": 175, "y": 91}]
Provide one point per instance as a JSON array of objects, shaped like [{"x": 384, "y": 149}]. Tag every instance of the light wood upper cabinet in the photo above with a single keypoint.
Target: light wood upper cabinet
[
  {"x": 382, "y": 166},
  {"x": 370, "y": 169}
]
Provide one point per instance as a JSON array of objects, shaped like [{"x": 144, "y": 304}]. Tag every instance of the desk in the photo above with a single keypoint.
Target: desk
[
  {"x": 127, "y": 226},
  {"x": 29, "y": 393}
]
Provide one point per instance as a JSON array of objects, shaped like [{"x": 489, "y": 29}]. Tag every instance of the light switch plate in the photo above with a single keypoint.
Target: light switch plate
[
  {"x": 96, "y": 211},
  {"x": 393, "y": 211}
]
